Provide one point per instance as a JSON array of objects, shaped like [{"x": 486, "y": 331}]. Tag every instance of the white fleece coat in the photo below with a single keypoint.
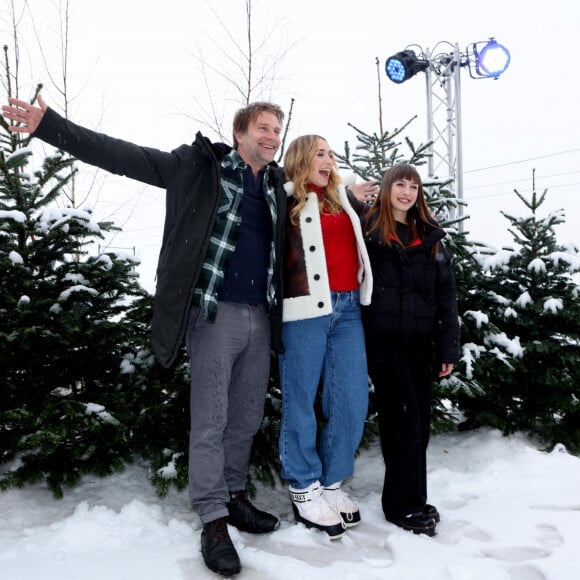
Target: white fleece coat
[{"x": 317, "y": 302}]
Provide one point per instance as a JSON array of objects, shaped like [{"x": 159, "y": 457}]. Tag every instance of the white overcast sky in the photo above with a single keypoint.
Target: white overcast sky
[{"x": 133, "y": 73}]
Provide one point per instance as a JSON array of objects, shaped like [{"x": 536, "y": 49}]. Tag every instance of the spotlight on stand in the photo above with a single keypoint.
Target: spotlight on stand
[
  {"x": 442, "y": 67},
  {"x": 404, "y": 65},
  {"x": 491, "y": 59}
]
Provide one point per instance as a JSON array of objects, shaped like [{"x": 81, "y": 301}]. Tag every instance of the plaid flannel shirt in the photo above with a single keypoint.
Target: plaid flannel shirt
[{"x": 225, "y": 234}]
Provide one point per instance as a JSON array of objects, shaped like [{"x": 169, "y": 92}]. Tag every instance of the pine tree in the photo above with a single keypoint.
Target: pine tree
[
  {"x": 535, "y": 296},
  {"x": 374, "y": 153},
  {"x": 160, "y": 400},
  {"x": 63, "y": 331}
]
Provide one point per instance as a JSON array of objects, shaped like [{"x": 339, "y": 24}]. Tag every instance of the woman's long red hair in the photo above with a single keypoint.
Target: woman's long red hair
[{"x": 380, "y": 217}]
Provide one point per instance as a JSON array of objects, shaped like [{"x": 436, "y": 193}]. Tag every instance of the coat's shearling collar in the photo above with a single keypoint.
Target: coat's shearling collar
[
  {"x": 348, "y": 178},
  {"x": 365, "y": 276},
  {"x": 301, "y": 308}
]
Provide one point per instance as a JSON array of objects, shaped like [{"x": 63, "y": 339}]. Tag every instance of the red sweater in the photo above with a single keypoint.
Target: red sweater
[{"x": 341, "y": 252}]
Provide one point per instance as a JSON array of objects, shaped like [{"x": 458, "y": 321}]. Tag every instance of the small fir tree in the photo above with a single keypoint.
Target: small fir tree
[
  {"x": 160, "y": 399},
  {"x": 534, "y": 294},
  {"x": 62, "y": 328}
]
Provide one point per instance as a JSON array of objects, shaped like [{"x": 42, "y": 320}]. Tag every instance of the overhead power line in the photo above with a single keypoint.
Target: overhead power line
[
  {"x": 524, "y": 160},
  {"x": 511, "y": 181},
  {"x": 512, "y": 192}
]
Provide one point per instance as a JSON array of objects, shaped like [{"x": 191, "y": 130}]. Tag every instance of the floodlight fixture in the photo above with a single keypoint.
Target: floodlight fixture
[
  {"x": 442, "y": 67},
  {"x": 491, "y": 59},
  {"x": 403, "y": 65}
]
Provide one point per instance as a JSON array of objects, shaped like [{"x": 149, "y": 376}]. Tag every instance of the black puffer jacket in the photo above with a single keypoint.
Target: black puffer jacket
[
  {"x": 414, "y": 293},
  {"x": 190, "y": 175}
]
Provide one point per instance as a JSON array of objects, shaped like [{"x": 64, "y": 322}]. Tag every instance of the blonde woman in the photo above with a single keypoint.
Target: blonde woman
[{"x": 326, "y": 278}]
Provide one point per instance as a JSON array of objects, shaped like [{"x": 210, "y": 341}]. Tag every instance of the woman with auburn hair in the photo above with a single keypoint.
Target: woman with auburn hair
[
  {"x": 326, "y": 278},
  {"x": 411, "y": 324}
]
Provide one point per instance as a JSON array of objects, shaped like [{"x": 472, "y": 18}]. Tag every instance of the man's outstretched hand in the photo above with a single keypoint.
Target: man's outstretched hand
[{"x": 26, "y": 115}]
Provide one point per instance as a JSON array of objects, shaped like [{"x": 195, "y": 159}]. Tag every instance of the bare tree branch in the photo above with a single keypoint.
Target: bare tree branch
[
  {"x": 243, "y": 59},
  {"x": 379, "y": 95}
]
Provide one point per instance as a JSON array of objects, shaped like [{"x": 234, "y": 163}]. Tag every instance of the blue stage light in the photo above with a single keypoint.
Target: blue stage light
[
  {"x": 395, "y": 69},
  {"x": 404, "y": 65}
]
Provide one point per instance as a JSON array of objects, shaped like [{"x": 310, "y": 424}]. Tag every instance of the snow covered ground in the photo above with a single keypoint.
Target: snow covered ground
[{"x": 509, "y": 512}]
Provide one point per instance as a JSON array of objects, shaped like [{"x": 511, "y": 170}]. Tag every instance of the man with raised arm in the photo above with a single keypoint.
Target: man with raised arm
[{"x": 218, "y": 284}]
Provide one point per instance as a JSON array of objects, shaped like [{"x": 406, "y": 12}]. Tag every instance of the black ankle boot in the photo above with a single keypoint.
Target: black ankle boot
[
  {"x": 247, "y": 518},
  {"x": 417, "y": 523},
  {"x": 432, "y": 512},
  {"x": 217, "y": 548}
]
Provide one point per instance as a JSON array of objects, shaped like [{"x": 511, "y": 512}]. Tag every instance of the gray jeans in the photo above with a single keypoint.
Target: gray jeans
[{"x": 230, "y": 367}]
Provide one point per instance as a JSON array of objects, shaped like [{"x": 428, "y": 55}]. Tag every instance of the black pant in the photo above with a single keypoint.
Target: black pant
[{"x": 402, "y": 376}]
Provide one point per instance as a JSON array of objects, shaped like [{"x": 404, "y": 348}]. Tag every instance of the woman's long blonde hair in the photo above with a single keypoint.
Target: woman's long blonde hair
[{"x": 297, "y": 168}]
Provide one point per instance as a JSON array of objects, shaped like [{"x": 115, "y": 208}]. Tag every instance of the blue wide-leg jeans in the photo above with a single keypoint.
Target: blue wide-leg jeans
[{"x": 330, "y": 348}]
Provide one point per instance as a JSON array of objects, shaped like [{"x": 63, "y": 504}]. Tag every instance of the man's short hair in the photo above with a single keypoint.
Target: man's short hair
[{"x": 245, "y": 116}]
